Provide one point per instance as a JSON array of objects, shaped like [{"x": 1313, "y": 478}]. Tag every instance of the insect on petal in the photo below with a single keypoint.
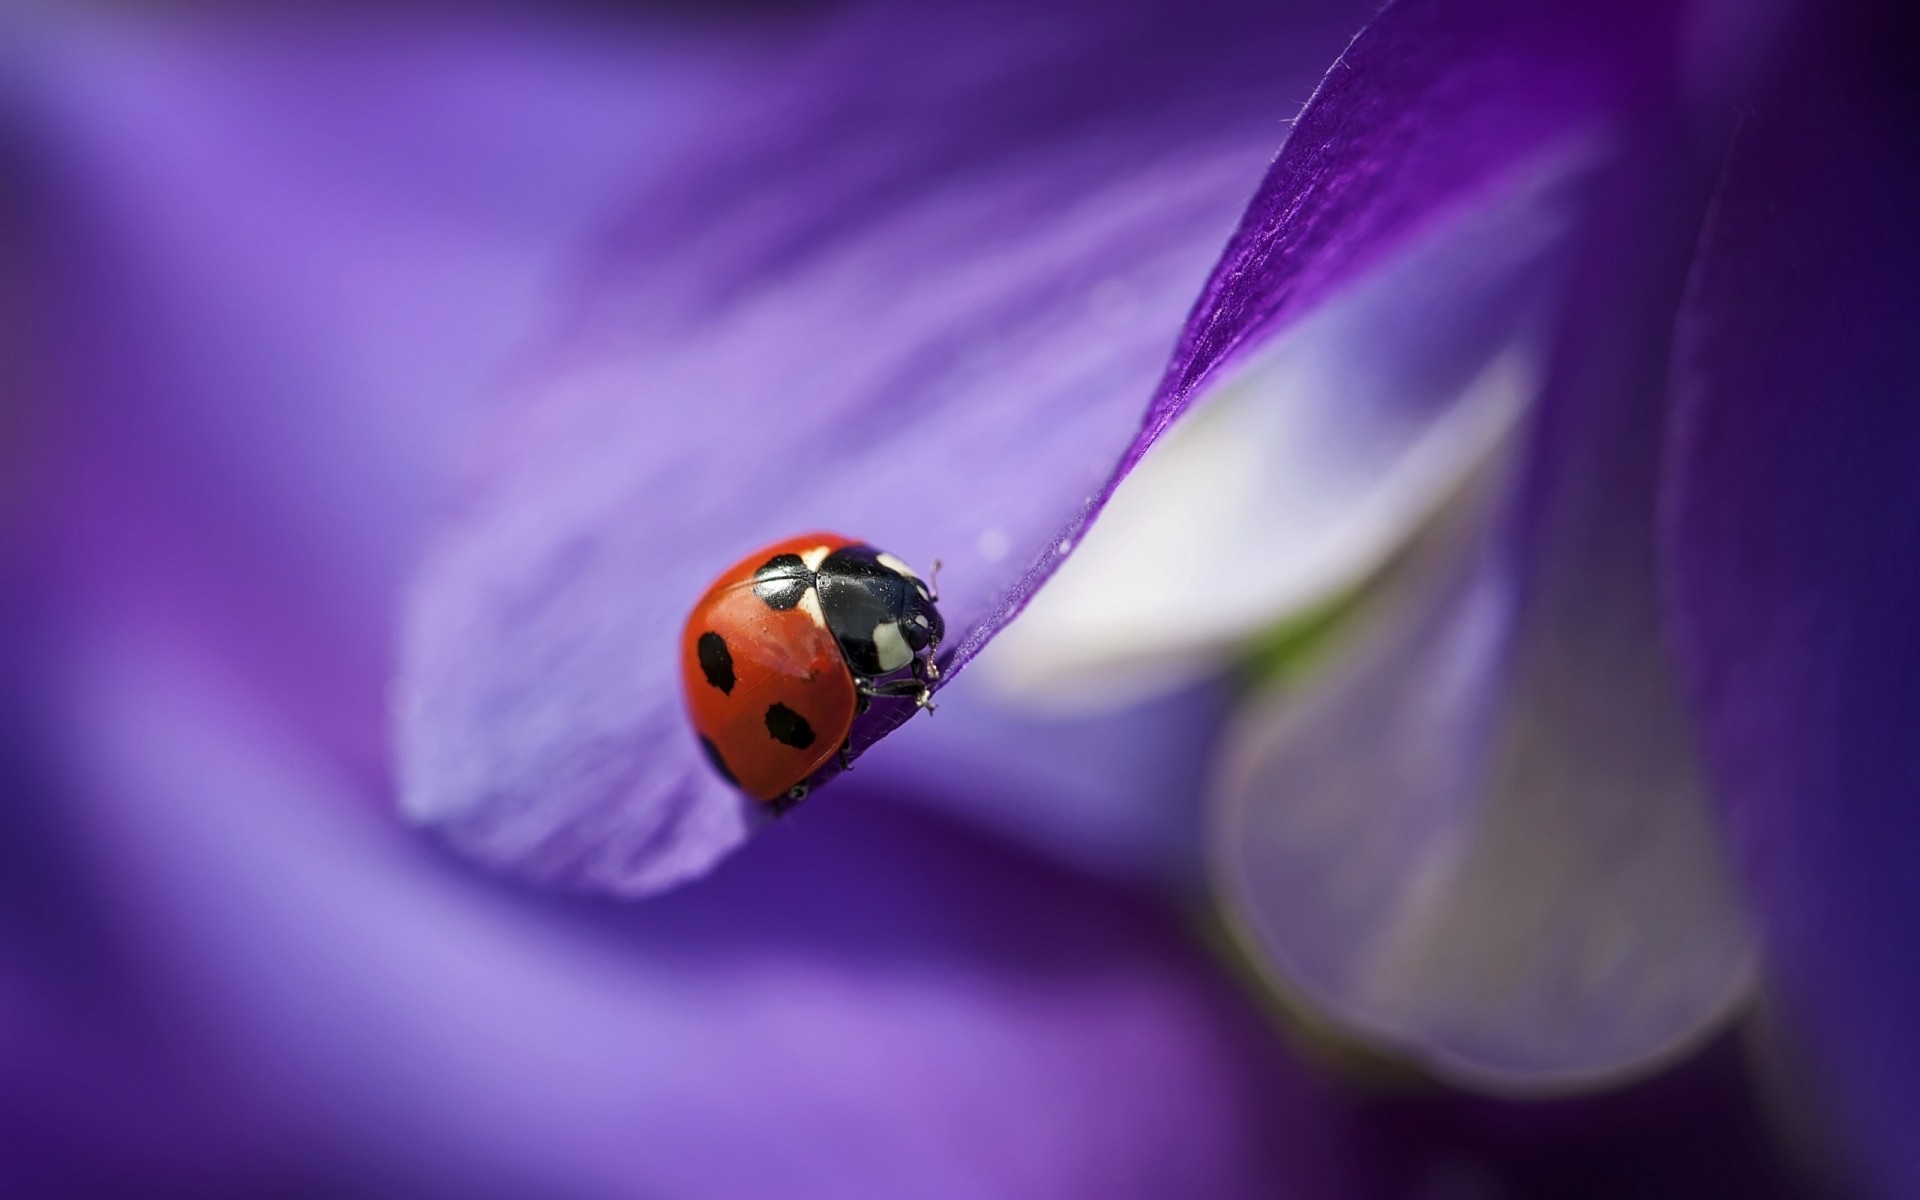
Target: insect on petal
[{"x": 918, "y": 290}]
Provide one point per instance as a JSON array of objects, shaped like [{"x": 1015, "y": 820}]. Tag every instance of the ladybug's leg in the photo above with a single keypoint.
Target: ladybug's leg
[
  {"x": 893, "y": 687},
  {"x": 921, "y": 693},
  {"x": 846, "y": 764},
  {"x": 925, "y": 668}
]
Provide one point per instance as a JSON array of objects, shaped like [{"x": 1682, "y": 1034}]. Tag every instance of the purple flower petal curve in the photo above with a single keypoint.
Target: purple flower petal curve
[
  {"x": 1109, "y": 692},
  {"x": 1311, "y": 460},
  {"x": 1794, "y": 522},
  {"x": 917, "y": 293},
  {"x": 921, "y": 300},
  {"x": 1432, "y": 100},
  {"x": 1485, "y": 838}
]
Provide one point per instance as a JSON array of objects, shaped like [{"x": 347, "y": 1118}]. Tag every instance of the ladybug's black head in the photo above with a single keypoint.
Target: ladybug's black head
[{"x": 880, "y": 611}]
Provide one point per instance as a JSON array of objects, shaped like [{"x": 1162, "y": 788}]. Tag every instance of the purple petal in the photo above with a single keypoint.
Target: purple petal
[
  {"x": 1432, "y": 101},
  {"x": 1484, "y": 839},
  {"x": 868, "y": 1005},
  {"x": 1310, "y": 461},
  {"x": 1795, "y": 517},
  {"x": 917, "y": 292},
  {"x": 1308, "y": 465}
]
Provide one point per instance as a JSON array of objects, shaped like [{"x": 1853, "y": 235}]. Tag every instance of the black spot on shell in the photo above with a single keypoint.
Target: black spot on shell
[
  {"x": 719, "y": 764},
  {"x": 716, "y": 661},
  {"x": 782, "y": 580},
  {"x": 788, "y": 727}
]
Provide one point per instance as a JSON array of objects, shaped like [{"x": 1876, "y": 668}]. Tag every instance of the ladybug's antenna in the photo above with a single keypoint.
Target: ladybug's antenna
[{"x": 933, "y": 581}]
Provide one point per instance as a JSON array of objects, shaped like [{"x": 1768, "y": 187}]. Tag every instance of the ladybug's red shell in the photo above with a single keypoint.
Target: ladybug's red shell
[{"x": 767, "y": 688}]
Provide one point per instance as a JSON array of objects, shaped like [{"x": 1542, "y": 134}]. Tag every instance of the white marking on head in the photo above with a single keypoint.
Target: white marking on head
[
  {"x": 920, "y": 620},
  {"x": 890, "y": 647},
  {"x": 814, "y": 557},
  {"x": 895, "y": 565},
  {"x": 810, "y": 605}
]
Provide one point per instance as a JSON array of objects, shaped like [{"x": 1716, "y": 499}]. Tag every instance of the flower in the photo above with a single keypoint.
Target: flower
[{"x": 881, "y": 1002}]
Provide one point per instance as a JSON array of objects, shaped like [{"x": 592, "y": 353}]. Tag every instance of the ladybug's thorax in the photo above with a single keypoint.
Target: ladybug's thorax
[{"x": 880, "y": 612}]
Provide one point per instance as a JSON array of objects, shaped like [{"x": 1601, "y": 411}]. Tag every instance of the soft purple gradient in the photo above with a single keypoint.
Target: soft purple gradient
[
  {"x": 1795, "y": 520},
  {"x": 872, "y": 1004},
  {"x": 315, "y": 243},
  {"x": 1123, "y": 787}
]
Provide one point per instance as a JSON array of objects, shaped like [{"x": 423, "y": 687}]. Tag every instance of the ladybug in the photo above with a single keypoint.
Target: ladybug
[{"x": 790, "y": 644}]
